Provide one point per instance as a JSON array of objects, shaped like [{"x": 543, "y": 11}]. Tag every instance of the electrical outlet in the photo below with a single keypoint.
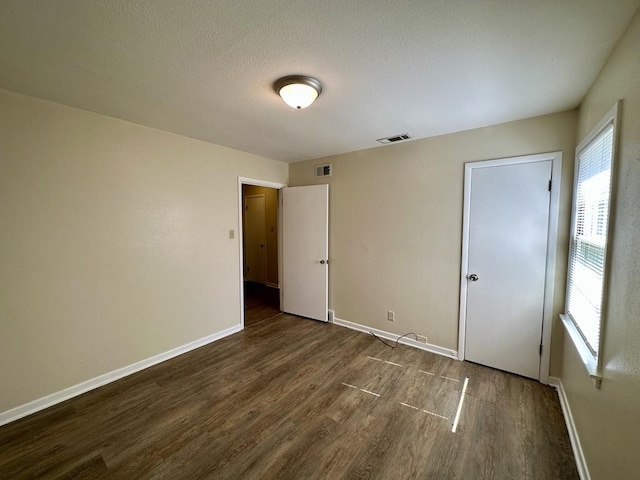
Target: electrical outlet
[
  {"x": 391, "y": 316},
  {"x": 422, "y": 338}
]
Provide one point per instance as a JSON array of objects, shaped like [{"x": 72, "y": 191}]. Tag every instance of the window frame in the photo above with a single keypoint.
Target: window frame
[{"x": 593, "y": 362}]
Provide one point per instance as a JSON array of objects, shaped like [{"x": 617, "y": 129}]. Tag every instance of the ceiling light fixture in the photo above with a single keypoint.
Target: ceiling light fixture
[{"x": 298, "y": 91}]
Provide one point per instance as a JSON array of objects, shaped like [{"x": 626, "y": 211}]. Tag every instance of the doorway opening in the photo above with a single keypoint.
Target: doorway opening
[{"x": 259, "y": 236}]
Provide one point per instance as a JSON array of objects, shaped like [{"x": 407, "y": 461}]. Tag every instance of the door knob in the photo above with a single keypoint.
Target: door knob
[{"x": 473, "y": 277}]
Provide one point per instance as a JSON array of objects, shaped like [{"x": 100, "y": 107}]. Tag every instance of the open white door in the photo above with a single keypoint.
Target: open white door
[{"x": 305, "y": 251}]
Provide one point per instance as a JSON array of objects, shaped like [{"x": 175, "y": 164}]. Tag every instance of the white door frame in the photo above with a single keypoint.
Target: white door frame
[
  {"x": 554, "y": 204},
  {"x": 259, "y": 183}
]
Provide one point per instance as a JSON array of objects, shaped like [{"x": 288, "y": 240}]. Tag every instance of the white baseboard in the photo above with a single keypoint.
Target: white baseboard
[
  {"x": 581, "y": 463},
  {"x": 273, "y": 285},
  {"x": 91, "y": 384},
  {"x": 405, "y": 341}
]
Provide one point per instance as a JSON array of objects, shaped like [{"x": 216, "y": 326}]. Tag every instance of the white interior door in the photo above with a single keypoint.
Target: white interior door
[
  {"x": 508, "y": 225},
  {"x": 305, "y": 251},
  {"x": 255, "y": 239}
]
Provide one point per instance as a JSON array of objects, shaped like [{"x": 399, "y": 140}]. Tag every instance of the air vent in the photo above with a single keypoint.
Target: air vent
[
  {"x": 395, "y": 138},
  {"x": 323, "y": 170}
]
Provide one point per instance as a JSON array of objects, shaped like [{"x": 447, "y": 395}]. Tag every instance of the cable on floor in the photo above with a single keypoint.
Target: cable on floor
[{"x": 397, "y": 339}]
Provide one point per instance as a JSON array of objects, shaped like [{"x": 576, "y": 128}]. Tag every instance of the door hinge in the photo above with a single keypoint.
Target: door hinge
[
  {"x": 540, "y": 349},
  {"x": 550, "y": 183}
]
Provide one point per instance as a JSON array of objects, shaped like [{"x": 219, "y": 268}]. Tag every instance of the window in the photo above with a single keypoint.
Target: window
[{"x": 586, "y": 282}]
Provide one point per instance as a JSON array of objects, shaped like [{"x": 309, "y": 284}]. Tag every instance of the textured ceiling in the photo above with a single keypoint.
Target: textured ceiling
[{"x": 205, "y": 68}]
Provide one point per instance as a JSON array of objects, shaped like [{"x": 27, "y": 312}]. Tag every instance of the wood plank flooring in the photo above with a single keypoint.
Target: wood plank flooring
[
  {"x": 289, "y": 398},
  {"x": 260, "y": 303}
]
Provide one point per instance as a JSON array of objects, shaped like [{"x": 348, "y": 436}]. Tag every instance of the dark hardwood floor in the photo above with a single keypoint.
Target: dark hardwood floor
[
  {"x": 290, "y": 398},
  {"x": 260, "y": 303}
]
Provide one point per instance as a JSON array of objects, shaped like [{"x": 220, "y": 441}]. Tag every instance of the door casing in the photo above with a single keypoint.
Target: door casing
[{"x": 554, "y": 203}]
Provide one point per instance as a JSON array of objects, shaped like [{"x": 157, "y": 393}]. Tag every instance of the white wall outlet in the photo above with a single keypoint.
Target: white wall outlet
[
  {"x": 391, "y": 316},
  {"x": 232, "y": 234},
  {"x": 422, "y": 338}
]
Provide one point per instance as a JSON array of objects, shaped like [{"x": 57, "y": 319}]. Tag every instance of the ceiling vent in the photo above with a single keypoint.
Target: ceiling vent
[
  {"x": 323, "y": 170},
  {"x": 393, "y": 139}
]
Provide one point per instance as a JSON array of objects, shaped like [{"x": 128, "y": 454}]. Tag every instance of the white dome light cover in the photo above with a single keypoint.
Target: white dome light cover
[{"x": 298, "y": 91}]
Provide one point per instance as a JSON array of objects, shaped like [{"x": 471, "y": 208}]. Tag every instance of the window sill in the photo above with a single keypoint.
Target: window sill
[{"x": 589, "y": 361}]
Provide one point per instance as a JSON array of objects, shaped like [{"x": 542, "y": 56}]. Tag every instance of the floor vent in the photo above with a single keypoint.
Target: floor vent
[{"x": 395, "y": 138}]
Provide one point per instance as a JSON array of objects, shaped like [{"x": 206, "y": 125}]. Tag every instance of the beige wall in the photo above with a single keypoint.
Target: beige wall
[
  {"x": 271, "y": 223},
  {"x": 608, "y": 420},
  {"x": 114, "y": 243},
  {"x": 396, "y": 223}
]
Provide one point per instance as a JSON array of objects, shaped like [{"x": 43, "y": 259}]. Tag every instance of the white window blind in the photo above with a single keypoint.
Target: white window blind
[{"x": 587, "y": 255}]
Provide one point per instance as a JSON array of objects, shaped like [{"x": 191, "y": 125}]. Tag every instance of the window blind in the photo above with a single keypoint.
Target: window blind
[{"x": 587, "y": 255}]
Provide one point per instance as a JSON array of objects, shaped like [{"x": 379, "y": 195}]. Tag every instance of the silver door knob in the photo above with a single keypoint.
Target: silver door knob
[{"x": 473, "y": 277}]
